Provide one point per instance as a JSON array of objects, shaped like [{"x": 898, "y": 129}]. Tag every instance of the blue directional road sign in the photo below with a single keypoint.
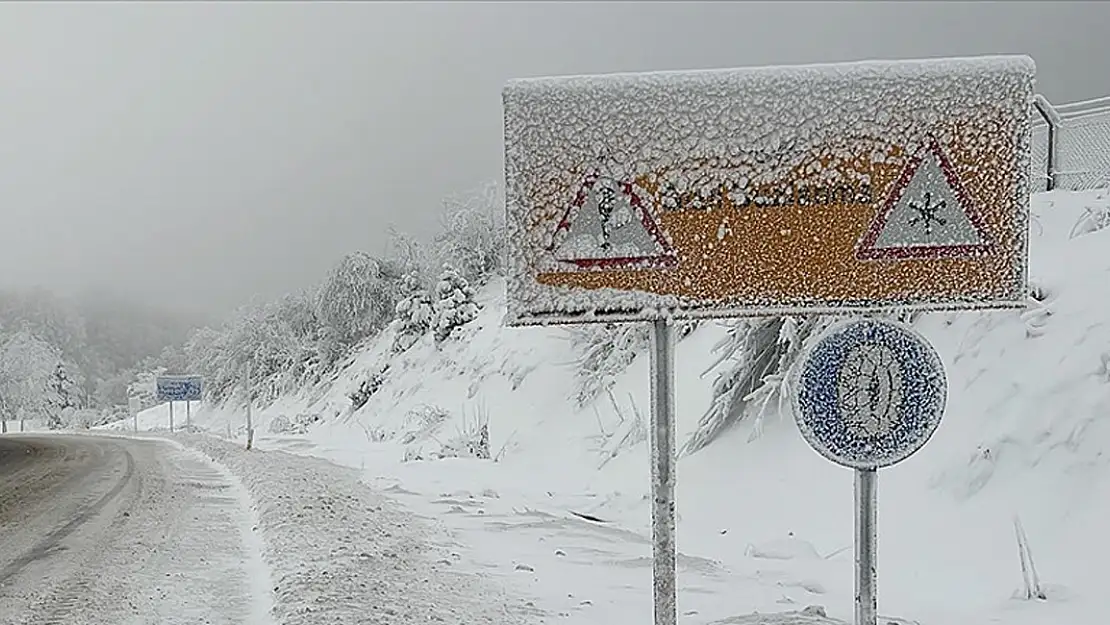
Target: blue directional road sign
[
  {"x": 870, "y": 393},
  {"x": 180, "y": 387}
]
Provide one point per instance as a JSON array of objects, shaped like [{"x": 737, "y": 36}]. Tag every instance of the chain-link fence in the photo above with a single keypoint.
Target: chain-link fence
[
  {"x": 1038, "y": 161},
  {"x": 1080, "y": 159}
]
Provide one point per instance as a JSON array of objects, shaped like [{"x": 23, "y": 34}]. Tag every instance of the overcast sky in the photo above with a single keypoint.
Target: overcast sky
[{"x": 202, "y": 154}]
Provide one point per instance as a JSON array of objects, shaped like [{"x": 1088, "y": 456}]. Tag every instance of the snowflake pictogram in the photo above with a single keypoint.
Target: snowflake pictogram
[{"x": 927, "y": 213}]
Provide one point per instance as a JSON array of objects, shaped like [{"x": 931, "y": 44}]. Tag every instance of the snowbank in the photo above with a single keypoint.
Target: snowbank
[{"x": 341, "y": 553}]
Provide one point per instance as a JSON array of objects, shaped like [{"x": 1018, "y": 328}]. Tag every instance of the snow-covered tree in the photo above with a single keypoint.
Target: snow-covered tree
[
  {"x": 454, "y": 304},
  {"x": 112, "y": 391},
  {"x": 357, "y": 298},
  {"x": 414, "y": 314},
  {"x": 410, "y": 255},
  {"x": 472, "y": 233},
  {"x": 62, "y": 395},
  {"x": 26, "y": 364},
  {"x": 144, "y": 387}
]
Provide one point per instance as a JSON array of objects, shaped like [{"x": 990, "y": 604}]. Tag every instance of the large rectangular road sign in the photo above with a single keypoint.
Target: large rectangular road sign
[
  {"x": 809, "y": 189},
  {"x": 179, "y": 387}
]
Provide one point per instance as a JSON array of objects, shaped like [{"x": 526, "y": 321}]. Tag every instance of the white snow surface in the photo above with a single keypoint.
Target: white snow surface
[
  {"x": 168, "y": 543},
  {"x": 763, "y": 525},
  {"x": 342, "y": 553}
]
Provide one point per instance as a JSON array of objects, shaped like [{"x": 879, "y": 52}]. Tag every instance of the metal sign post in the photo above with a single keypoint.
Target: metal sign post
[
  {"x": 663, "y": 460},
  {"x": 171, "y": 416},
  {"x": 870, "y": 394},
  {"x": 867, "y": 604},
  {"x": 188, "y": 413},
  {"x": 247, "y": 392},
  {"x": 133, "y": 406}
]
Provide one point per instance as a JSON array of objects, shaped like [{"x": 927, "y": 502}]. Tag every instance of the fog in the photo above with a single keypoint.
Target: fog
[{"x": 202, "y": 154}]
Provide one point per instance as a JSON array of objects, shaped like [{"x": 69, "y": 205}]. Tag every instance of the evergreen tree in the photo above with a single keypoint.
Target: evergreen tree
[
  {"x": 454, "y": 303},
  {"x": 414, "y": 313},
  {"x": 64, "y": 395}
]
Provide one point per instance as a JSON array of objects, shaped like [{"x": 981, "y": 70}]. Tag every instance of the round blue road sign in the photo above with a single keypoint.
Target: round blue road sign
[{"x": 870, "y": 393}]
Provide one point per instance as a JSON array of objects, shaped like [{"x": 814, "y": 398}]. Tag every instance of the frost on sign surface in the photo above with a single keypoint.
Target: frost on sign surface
[
  {"x": 767, "y": 191},
  {"x": 926, "y": 215},
  {"x": 608, "y": 226},
  {"x": 869, "y": 389},
  {"x": 870, "y": 393}
]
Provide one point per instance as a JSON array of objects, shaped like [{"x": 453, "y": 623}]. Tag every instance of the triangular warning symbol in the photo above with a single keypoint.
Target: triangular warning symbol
[
  {"x": 926, "y": 215},
  {"x": 610, "y": 227}
]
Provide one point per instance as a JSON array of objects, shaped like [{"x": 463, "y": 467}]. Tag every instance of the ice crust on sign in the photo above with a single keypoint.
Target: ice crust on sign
[{"x": 761, "y": 122}]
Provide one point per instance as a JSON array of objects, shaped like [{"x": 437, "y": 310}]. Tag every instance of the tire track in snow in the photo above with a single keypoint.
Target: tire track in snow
[{"x": 51, "y": 541}]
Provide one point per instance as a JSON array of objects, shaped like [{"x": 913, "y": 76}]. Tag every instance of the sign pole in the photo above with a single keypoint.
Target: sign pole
[
  {"x": 866, "y": 491},
  {"x": 171, "y": 416},
  {"x": 663, "y": 473},
  {"x": 870, "y": 393},
  {"x": 247, "y": 391},
  {"x": 188, "y": 413}
]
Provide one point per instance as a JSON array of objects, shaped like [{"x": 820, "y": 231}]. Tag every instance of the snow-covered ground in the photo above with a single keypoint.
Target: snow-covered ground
[
  {"x": 764, "y": 524},
  {"x": 96, "y": 530}
]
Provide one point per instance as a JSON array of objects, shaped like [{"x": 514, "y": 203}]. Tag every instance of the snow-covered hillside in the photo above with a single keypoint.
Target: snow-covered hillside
[{"x": 764, "y": 523}]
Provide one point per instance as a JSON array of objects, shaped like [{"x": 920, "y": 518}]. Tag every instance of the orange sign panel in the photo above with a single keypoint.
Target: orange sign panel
[{"x": 791, "y": 190}]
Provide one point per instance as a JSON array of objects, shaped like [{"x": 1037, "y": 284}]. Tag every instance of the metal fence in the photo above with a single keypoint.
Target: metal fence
[{"x": 1071, "y": 145}]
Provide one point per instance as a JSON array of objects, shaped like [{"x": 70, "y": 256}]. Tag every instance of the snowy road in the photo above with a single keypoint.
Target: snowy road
[{"x": 129, "y": 532}]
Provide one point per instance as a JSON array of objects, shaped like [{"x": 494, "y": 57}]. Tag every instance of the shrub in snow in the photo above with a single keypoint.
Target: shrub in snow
[
  {"x": 1104, "y": 366},
  {"x": 789, "y": 548},
  {"x": 471, "y": 440},
  {"x": 629, "y": 431},
  {"x": 422, "y": 421},
  {"x": 367, "y": 388},
  {"x": 414, "y": 314},
  {"x": 454, "y": 303},
  {"x": 754, "y": 359},
  {"x": 1093, "y": 219},
  {"x": 604, "y": 352},
  {"x": 1031, "y": 582},
  {"x": 298, "y": 425}
]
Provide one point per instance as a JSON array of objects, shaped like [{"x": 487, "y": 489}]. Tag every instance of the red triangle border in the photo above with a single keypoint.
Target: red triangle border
[
  {"x": 865, "y": 248},
  {"x": 667, "y": 259}
]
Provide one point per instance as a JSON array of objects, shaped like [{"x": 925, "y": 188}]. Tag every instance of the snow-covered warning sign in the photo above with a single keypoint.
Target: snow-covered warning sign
[
  {"x": 768, "y": 191},
  {"x": 926, "y": 215},
  {"x": 608, "y": 226}
]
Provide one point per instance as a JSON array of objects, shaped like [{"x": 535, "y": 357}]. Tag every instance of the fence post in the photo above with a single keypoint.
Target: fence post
[{"x": 1052, "y": 118}]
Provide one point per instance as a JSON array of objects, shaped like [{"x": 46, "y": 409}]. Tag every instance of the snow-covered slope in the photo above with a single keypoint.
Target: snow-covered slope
[{"x": 763, "y": 525}]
